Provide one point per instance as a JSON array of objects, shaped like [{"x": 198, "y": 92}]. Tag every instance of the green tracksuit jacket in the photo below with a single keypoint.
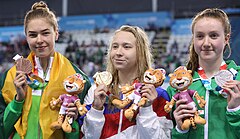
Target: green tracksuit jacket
[{"x": 221, "y": 124}]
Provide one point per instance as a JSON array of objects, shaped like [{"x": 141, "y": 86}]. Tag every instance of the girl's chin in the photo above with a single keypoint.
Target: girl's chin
[{"x": 42, "y": 55}]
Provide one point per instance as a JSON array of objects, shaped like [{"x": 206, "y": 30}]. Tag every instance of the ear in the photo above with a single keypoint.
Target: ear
[
  {"x": 57, "y": 35},
  {"x": 170, "y": 75},
  {"x": 189, "y": 71},
  {"x": 84, "y": 81},
  {"x": 163, "y": 71},
  {"x": 227, "y": 38}
]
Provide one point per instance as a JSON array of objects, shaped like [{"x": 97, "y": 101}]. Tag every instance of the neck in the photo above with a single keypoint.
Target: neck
[
  {"x": 210, "y": 68},
  {"x": 126, "y": 77},
  {"x": 44, "y": 63}
]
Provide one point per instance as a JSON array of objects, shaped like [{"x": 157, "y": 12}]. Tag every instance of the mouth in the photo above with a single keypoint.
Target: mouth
[
  {"x": 69, "y": 87},
  {"x": 181, "y": 84},
  {"x": 118, "y": 60},
  {"x": 40, "y": 47},
  {"x": 147, "y": 78},
  {"x": 207, "y": 50}
]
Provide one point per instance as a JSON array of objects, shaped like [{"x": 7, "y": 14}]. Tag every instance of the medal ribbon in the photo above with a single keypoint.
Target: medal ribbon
[
  {"x": 205, "y": 81},
  {"x": 37, "y": 84}
]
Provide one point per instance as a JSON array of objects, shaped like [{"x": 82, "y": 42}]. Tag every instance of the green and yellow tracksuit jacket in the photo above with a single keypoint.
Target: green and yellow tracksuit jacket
[{"x": 32, "y": 117}]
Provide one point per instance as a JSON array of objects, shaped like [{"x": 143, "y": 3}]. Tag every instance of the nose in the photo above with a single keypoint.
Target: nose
[
  {"x": 119, "y": 50},
  {"x": 179, "y": 77},
  {"x": 206, "y": 42},
  {"x": 71, "y": 80},
  {"x": 39, "y": 38}
]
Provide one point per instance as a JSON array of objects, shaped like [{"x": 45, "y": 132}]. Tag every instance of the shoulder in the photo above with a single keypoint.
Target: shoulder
[{"x": 232, "y": 64}]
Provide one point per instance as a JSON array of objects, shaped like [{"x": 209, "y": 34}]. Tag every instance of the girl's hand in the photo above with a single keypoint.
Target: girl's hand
[
  {"x": 233, "y": 90},
  {"x": 182, "y": 111},
  {"x": 100, "y": 94},
  {"x": 149, "y": 91},
  {"x": 20, "y": 83},
  {"x": 72, "y": 110}
]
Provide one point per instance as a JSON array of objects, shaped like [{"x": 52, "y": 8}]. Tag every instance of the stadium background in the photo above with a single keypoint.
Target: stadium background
[{"x": 86, "y": 27}]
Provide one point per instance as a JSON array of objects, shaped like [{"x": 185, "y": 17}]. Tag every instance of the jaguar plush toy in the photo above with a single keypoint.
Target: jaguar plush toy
[
  {"x": 181, "y": 79},
  {"x": 73, "y": 85},
  {"x": 132, "y": 92}
]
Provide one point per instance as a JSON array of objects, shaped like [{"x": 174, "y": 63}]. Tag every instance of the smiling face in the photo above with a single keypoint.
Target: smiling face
[
  {"x": 181, "y": 79},
  {"x": 209, "y": 39},
  {"x": 41, "y": 37},
  {"x": 74, "y": 84},
  {"x": 123, "y": 51},
  {"x": 154, "y": 76}
]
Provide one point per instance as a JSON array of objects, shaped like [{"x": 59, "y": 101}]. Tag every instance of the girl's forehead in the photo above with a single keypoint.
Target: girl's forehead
[
  {"x": 124, "y": 36},
  {"x": 208, "y": 23},
  {"x": 38, "y": 24}
]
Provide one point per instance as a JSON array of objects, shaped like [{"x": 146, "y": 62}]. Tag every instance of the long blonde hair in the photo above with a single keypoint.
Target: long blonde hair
[
  {"x": 144, "y": 56},
  {"x": 215, "y": 13}
]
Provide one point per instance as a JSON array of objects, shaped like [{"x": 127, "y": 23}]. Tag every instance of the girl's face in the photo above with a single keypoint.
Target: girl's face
[
  {"x": 209, "y": 39},
  {"x": 41, "y": 37},
  {"x": 123, "y": 52}
]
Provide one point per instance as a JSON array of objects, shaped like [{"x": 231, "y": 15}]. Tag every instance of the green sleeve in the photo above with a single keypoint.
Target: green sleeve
[
  {"x": 11, "y": 114},
  {"x": 2, "y": 109},
  {"x": 75, "y": 134},
  {"x": 177, "y": 135},
  {"x": 234, "y": 117},
  {"x": 3, "y": 106},
  {"x": 234, "y": 121}
]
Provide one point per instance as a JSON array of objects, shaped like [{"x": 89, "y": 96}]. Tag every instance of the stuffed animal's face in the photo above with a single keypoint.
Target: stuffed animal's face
[
  {"x": 154, "y": 76},
  {"x": 181, "y": 78},
  {"x": 74, "y": 84}
]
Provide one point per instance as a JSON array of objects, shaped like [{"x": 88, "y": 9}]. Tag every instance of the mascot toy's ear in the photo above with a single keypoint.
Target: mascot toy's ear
[
  {"x": 78, "y": 75},
  {"x": 163, "y": 71}
]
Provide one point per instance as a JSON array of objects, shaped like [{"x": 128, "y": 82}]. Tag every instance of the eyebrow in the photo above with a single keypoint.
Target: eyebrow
[{"x": 40, "y": 31}]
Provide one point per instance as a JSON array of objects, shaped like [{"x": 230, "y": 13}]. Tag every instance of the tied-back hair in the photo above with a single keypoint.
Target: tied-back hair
[
  {"x": 144, "y": 56},
  {"x": 193, "y": 61},
  {"x": 40, "y": 10}
]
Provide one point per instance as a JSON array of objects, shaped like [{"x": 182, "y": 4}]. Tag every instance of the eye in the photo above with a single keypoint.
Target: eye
[
  {"x": 214, "y": 35},
  {"x": 199, "y": 36},
  {"x": 114, "y": 46},
  {"x": 46, "y": 33},
  {"x": 32, "y": 35},
  {"x": 127, "y": 46}
]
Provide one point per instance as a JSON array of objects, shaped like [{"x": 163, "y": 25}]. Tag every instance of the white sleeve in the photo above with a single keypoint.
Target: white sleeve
[
  {"x": 151, "y": 126},
  {"x": 90, "y": 95},
  {"x": 93, "y": 124}
]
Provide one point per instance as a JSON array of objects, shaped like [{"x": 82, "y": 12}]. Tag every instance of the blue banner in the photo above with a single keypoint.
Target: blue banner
[{"x": 144, "y": 20}]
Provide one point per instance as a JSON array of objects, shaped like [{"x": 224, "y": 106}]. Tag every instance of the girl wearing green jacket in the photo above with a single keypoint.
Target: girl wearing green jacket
[
  {"x": 24, "y": 110},
  {"x": 210, "y": 39}
]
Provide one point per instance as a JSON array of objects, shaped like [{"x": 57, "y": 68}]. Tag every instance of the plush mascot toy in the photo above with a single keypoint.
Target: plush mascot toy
[
  {"x": 181, "y": 79},
  {"x": 73, "y": 85},
  {"x": 132, "y": 92}
]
